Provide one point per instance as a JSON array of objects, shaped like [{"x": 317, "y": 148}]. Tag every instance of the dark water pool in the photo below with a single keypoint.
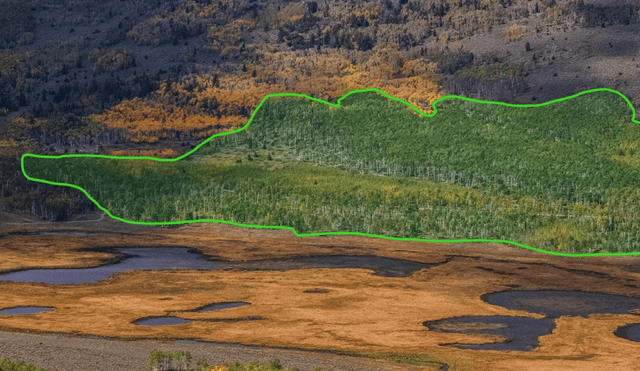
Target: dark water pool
[
  {"x": 218, "y": 306},
  {"x": 25, "y": 310},
  {"x": 563, "y": 303},
  {"x": 175, "y": 258},
  {"x": 381, "y": 266},
  {"x": 135, "y": 259},
  {"x": 629, "y": 332},
  {"x": 521, "y": 333},
  {"x": 161, "y": 321}
]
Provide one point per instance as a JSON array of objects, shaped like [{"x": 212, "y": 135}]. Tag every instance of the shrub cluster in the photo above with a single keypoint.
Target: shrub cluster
[
  {"x": 107, "y": 60},
  {"x": 515, "y": 32},
  {"x": 181, "y": 361},
  {"x": 8, "y": 365}
]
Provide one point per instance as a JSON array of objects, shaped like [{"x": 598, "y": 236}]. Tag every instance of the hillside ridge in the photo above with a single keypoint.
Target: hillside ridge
[
  {"x": 389, "y": 190},
  {"x": 335, "y": 105}
]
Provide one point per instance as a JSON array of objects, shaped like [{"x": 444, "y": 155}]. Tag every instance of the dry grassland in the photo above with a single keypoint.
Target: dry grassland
[{"x": 360, "y": 312}]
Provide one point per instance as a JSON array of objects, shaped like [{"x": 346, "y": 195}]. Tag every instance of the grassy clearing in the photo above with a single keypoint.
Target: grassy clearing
[{"x": 550, "y": 177}]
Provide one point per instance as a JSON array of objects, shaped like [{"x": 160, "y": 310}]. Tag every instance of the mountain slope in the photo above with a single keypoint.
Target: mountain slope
[{"x": 562, "y": 176}]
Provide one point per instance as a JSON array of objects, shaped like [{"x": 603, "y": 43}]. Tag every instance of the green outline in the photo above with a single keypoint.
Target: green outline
[{"x": 335, "y": 105}]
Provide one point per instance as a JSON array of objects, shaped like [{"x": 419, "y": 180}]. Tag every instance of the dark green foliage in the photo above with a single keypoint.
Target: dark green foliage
[
  {"x": 8, "y": 365},
  {"x": 536, "y": 148}
]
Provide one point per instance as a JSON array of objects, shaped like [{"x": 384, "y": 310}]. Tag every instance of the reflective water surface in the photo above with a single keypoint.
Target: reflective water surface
[
  {"x": 521, "y": 333},
  {"x": 163, "y": 258},
  {"x": 25, "y": 310},
  {"x": 161, "y": 321}
]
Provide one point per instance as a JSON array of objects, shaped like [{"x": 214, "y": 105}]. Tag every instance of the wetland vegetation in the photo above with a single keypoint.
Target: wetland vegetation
[{"x": 562, "y": 177}]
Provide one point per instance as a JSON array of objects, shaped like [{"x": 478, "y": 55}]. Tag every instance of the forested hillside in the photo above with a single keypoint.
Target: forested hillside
[
  {"x": 561, "y": 177},
  {"x": 159, "y": 77}
]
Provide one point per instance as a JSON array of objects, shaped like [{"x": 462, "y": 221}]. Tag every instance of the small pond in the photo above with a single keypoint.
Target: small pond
[
  {"x": 218, "y": 306},
  {"x": 163, "y": 258},
  {"x": 521, "y": 333},
  {"x": 161, "y": 321},
  {"x": 381, "y": 266},
  {"x": 563, "y": 303},
  {"x": 629, "y": 332},
  {"x": 135, "y": 259},
  {"x": 25, "y": 310}
]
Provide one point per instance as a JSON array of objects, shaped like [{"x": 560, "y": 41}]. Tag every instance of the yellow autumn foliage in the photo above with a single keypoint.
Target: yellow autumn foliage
[
  {"x": 514, "y": 32},
  {"x": 331, "y": 75},
  {"x": 325, "y": 76},
  {"x": 142, "y": 118},
  {"x": 111, "y": 59},
  {"x": 561, "y": 232},
  {"x": 368, "y": 12},
  {"x": 290, "y": 13},
  {"x": 229, "y": 35},
  {"x": 391, "y": 192}
]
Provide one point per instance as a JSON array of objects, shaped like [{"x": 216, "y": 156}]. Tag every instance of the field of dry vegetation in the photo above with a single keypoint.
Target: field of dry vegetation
[{"x": 353, "y": 310}]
